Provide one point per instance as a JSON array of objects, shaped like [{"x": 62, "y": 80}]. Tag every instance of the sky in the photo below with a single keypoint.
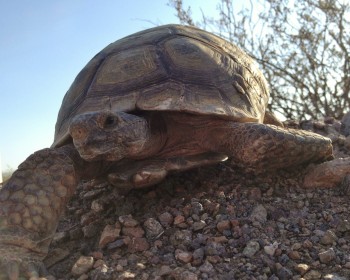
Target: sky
[{"x": 44, "y": 44}]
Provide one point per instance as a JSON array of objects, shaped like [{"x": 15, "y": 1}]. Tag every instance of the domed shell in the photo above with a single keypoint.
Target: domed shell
[{"x": 168, "y": 68}]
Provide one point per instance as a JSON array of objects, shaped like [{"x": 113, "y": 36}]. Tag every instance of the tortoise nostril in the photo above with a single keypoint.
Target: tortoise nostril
[{"x": 78, "y": 134}]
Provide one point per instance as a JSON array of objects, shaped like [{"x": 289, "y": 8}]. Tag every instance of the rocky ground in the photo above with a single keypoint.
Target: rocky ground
[{"x": 210, "y": 223}]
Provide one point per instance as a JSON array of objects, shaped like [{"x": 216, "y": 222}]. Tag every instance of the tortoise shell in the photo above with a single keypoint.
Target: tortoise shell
[{"x": 168, "y": 68}]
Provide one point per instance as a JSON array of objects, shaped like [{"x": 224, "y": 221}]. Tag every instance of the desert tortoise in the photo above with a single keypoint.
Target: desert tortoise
[{"x": 168, "y": 98}]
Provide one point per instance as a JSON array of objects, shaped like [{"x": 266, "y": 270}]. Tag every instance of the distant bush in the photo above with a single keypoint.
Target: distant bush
[
  {"x": 303, "y": 48},
  {"x": 6, "y": 174}
]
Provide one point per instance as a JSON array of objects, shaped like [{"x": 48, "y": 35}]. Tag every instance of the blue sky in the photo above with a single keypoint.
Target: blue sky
[{"x": 44, "y": 44}]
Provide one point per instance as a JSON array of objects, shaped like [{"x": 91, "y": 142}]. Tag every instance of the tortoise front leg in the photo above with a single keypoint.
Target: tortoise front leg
[
  {"x": 31, "y": 203},
  {"x": 261, "y": 147}
]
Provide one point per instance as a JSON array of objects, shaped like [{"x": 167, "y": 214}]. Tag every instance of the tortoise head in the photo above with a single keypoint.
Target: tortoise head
[{"x": 108, "y": 135}]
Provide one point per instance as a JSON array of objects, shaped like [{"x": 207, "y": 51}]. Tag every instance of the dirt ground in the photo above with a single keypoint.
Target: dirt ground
[{"x": 214, "y": 222}]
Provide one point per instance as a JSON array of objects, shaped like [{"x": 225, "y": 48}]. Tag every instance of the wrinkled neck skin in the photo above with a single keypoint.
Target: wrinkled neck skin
[
  {"x": 178, "y": 134},
  {"x": 157, "y": 136}
]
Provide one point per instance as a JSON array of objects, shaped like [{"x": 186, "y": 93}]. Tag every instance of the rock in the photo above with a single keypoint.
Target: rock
[
  {"x": 344, "y": 226},
  {"x": 294, "y": 255},
  {"x": 164, "y": 270},
  {"x": 198, "y": 256},
  {"x": 181, "y": 237},
  {"x": 198, "y": 225},
  {"x": 97, "y": 255},
  {"x": 333, "y": 276},
  {"x": 133, "y": 231},
  {"x": 207, "y": 267},
  {"x": 128, "y": 275},
  {"x": 82, "y": 265},
  {"x": 83, "y": 277},
  {"x": 138, "y": 244},
  {"x": 296, "y": 246},
  {"x": 179, "y": 219},
  {"x": 180, "y": 273},
  {"x": 99, "y": 263},
  {"x": 109, "y": 234},
  {"x": 255, "y": 194},
  {"x": 284, "y": 273},
  {"x": 213, "y": 248},
  {"x": 183, "y": 256},
  {"x": 259, "y": 214},
  {"x": 153, "y": 228},
  {"x": 328, "y": 238},
  {"x": 116, "y": 244},
  {"x": 312, "y": 274},
  {"x": 327, "y": 256},
  {"x": 196, "y": 208},
  {"x": 128, "y": 221},
  {"x": 166, "y": 219},
  {"x": 223, "y": 225},
  {"x": 328, "y": 174},
  {"x": 302, "y": 268},
  {"x": 187, "y": 275},
  {"x": 271, "y": 249},
  {"x": 97, "y": 206},
  {"x": 91, "y": 230},
  {"x": 251, "y": 249}
]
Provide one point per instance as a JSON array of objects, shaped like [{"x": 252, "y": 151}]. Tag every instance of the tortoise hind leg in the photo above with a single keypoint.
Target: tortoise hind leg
[
  {"x": 262, "y": 146},
  {"x": 30, "y": 205},
  {"x": 129, "y": 174}
]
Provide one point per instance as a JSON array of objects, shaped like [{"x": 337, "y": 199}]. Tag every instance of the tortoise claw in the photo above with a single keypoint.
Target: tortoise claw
[
  {"x": 13, "y": 270},
  {"x": 19, "y": 269}
]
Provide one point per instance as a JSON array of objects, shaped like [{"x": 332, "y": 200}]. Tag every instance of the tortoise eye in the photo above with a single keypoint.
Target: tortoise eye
[{"x": 109, "y": 121}]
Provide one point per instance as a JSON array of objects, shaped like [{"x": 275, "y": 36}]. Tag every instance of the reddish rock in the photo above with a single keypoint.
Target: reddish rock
[
  {"x": 255, "y": 194},
  {"x": 166, "y": 219},
  {"x": 128, "y": 221},
  {"x": 328, "y": 174},
  {"x": 179, "y": 219},
  {"x": 294, "y": 255},
  {"x": 110, "y": 233},
  {"x": 138, "y": 244},
  {"x": 182, "y": 256},
  {"x": 133, "y": 231},
  {"x": 223, "y": 225}
]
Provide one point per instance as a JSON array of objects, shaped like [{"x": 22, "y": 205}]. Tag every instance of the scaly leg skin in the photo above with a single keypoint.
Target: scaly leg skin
[
  {"x": 139, "y": 174},
  {"x": 260, "y": 147},
  {"x": 31, "y": 203}
]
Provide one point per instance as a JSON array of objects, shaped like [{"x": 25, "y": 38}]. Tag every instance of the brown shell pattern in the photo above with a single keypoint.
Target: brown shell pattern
[{"x": 168, "y": 68}]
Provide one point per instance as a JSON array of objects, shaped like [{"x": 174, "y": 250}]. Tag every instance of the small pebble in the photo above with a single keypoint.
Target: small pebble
[
  {"x": 312, "y": 274},
  {"x": 327, "y": 256},
  {"x": 198, "y": 225},
  {"x": 271, "y": 249},
  {"x": 302, "y": 268},
  {"x": 259, "y": 214},
  {"x": 82, "y": 265},
  {"x": 153, "y": 228},
  {"x": 182, "y": 256},
  {"x": 251, "y": 249},
  {"x": 109, "y": 234}
]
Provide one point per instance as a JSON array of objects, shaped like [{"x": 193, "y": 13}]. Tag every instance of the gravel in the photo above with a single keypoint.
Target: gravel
[{"x": 209, "y": 223}]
